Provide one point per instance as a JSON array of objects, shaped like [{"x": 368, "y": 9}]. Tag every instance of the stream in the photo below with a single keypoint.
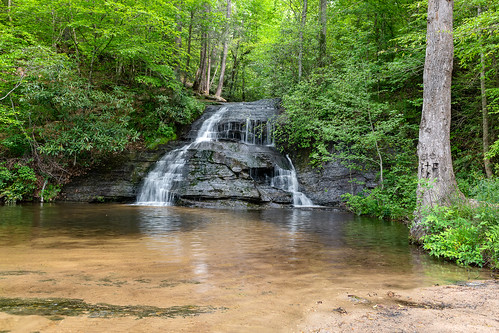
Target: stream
[{"x": 258, "y": 270}]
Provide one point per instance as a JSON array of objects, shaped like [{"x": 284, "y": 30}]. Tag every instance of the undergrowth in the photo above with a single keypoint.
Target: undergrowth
[{"x": 467, "y": 233}]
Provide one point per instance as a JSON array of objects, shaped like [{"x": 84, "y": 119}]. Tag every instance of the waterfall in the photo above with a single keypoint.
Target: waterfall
[
  {"x": 167, "y": 175},
  {"x": 287, "y": 181},
  {"x": 161, "y": 185}
]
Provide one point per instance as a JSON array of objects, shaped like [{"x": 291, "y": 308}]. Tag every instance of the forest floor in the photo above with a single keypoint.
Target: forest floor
[{"x": 467, "y": 307}]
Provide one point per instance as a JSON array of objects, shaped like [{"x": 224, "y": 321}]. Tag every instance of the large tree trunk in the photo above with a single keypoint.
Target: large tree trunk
[
  {"x": 218, "y": 93},
  {"x": 302, "y": 28},
  {"x": 322, "y": 33},
  {"x": 437, "y": 184}
]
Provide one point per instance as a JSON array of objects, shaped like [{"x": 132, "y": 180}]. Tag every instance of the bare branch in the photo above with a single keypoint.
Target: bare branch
[{"x": 15, "y": 87}]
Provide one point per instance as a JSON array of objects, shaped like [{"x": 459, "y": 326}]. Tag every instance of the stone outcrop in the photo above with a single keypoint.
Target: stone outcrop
[
  {"x": 232, "y": 174},
  {"x": 326, "y": 185},
  {"x": 236, "y": 170},
  {"x": 115, "y": 180}
]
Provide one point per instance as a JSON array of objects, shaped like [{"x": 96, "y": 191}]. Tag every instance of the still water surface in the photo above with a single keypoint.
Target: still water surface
[{"x": 264, "y": 267}]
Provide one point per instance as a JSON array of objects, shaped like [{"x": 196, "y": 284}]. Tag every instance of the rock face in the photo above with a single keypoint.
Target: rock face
[
  {"x": 115, "y": 180},
  {"x": 325, "y": 186},
  {"x": 228, "y": 160},
  {"x": 232, "y": 174}
]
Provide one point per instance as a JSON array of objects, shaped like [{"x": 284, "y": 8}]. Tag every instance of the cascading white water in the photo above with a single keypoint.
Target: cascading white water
[
  {"x": 286, "y": 180},
  {"x": 166, "y": 176},
  {"x": 258, "y": 133},
  {"x": 161, "y": 183}
]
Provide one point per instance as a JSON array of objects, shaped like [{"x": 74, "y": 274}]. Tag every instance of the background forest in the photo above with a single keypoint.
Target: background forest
[{"x": 81, "y": 80}]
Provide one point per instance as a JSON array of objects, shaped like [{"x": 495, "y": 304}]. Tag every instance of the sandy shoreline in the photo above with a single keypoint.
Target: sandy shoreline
[{"x": 467, "y": 307}]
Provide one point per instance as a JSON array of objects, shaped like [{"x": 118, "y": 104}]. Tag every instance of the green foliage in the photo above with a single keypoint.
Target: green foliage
[
  {"x": 334, "y": 115},
  {"x": 486, "y": 190},
  {"x": 466, "y": 234},
  {"x": 89, "y": 80},
  {"x": 50, "y": 192},
  {"x": 395, "y": 201},
  {"x": 17, "y": 183}
]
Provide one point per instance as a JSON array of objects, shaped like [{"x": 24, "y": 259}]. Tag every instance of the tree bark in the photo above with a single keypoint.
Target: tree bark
[
  {"x": 322, "y": 33},
  {"x": 9, "y": 6},
  {"x": 302, "y": 28},
  {"x": 485, "y": 114},
  {"x": 437, "y": 184},
  {"x": 178, "y": 39},
  {"x": 208, "y": 70},
  {"x": 189, "y": 44},
  {"x": 235, "y": 64},
  {"x": 223, "y": 63}
]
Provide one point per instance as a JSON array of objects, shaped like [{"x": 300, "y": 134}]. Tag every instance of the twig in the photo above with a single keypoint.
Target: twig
[{"x": 16, "y": 86}]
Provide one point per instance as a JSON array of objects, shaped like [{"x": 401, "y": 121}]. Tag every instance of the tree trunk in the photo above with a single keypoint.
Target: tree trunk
[
  {"x": 189, "y": 44},
  {"x": 322, "y": 33},
  {"x": 235, "y": 64},
  {"x": 243, "y": 88},
  {"x": 198, "y": 81},
  {"x": 208, "y": 70},
  {"x": 178, "y": 39},
  {"x": 485, "y": 114},
  {"x": 302, "y": 28},
  {"x": 9, "y": 6},
  {"x": 437, "y": 184},
  {"x": 218, "y": 93}
]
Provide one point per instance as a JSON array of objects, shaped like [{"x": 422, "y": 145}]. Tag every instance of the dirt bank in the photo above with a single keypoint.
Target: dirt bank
[{"x": 467, "y": 307}]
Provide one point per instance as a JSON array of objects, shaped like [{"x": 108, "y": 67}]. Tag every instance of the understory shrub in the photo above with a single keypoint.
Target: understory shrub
[
  {"x": 465, "y": 233},
  {"x": 17, "y": 183},
  {"x": 395, "y": 201}
]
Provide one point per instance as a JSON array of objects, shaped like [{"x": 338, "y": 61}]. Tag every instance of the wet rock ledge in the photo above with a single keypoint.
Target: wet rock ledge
[{"x": 233, "y": 171}]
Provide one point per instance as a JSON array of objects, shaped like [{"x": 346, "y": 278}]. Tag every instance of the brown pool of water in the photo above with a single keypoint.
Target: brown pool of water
[{"x": 259, "y": 271}]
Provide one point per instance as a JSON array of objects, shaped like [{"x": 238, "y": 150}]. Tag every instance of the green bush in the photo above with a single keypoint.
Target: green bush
[
  {"x": 486, "y": 190},
  {"x": 395, "y": 201},
  {"x": 50, "y": 192},
  {"x": 464, "y": 233},
  {"x": 17, "y": 183}
]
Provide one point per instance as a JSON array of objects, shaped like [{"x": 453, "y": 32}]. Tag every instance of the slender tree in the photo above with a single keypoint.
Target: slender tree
[
  {"x": 302, "y": 28},
  {"x": 485, "y": 112},
  {"x": 437, "y": 183},
  {"x": 223, "y": 63},
  {"x": 322, "y": 32},
  {"x": 178, "y": 37}
]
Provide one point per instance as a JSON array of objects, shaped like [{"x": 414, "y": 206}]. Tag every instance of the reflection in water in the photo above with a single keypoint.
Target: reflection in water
[
  {"x": 266, "y": 267},
  {"x": 207, "y": 243}
]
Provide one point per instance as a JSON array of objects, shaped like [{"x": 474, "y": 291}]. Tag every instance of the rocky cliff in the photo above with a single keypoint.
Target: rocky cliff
[{"x": 238, "y": 167}]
